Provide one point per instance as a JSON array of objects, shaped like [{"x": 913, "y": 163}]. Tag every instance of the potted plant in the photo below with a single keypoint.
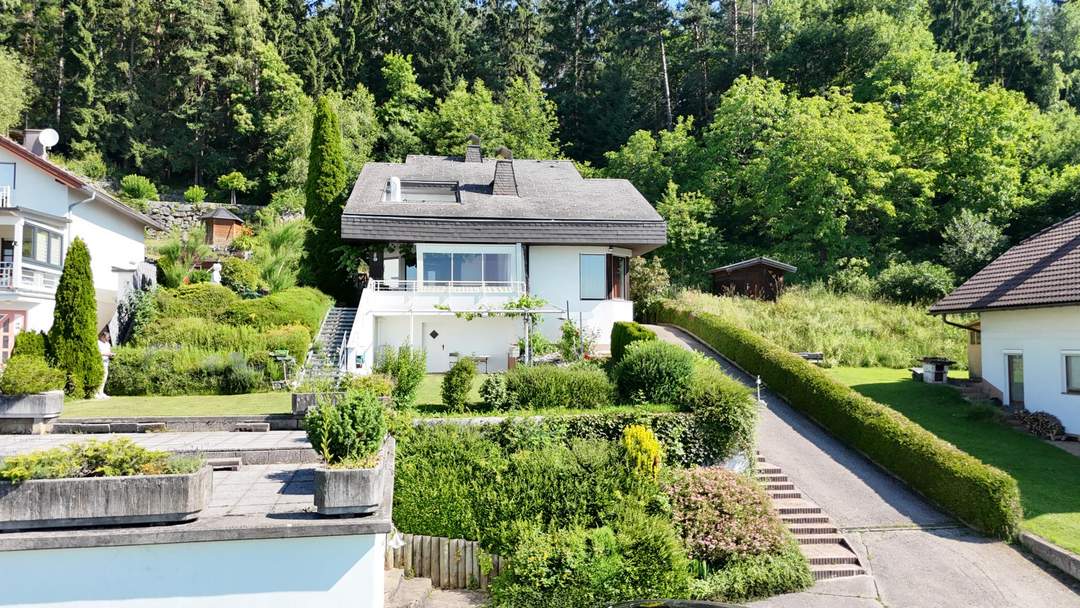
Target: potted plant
[
  {"x": 101, "y": 483},
  {"x": 351, "y": 436}
]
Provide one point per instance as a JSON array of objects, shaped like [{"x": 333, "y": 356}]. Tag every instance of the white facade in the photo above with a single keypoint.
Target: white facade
[
  {"x": 1043, "y": 338},
  {"x": 39, "y": 217},
  {"x": 325, "y": 571},
  {"x": 452, "y": 317}
]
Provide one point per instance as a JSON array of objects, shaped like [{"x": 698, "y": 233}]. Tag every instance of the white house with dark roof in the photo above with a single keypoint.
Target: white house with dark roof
[
  {"x": 1026, "y": 342},
  {"x": 42, "y": 208},
  {"x": 468, "y": 235}
]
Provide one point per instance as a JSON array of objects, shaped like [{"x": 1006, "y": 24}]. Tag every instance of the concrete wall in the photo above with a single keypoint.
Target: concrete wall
[
  {"x": 1043, "y": 336},
  {"x": 329, "y": 572},
  {"x": 554, "y": 274}
]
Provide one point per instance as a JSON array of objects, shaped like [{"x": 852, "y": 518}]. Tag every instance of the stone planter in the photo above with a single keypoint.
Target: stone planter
[
  {"x": 34, "y": 413},
  {"x": 356, "y": 491},
  {"x": 302, "y": 402},
  {"x": 104, "y": 501}
]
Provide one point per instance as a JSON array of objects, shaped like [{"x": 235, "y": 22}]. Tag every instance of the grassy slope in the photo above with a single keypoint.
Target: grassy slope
[
  {"x": 849, "y": 330},
  {"x": 186, "y": 405},
  {"x": 1049, "y": 477}
]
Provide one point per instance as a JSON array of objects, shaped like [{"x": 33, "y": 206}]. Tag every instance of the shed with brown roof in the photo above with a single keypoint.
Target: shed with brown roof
[{"x": 760, "y": 277}]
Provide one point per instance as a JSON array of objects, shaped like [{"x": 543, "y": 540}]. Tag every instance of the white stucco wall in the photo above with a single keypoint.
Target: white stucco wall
[
  {"x": 554, "y": 274},
  {"x": 1043, "y": 336},
  {"x": 328, "y": 572},
  {"x": 491, "y": 337},
  {"x": 115, "y": 241},
  {"x": 36, "y": 189}
]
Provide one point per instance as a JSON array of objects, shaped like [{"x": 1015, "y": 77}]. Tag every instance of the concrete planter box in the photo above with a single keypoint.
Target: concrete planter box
[
  {"x": 34, "y": 413},
  {"x": 356, "y": 491},
  {"x": 302, "y": 402},
  {"x": 104, "y": 501}
]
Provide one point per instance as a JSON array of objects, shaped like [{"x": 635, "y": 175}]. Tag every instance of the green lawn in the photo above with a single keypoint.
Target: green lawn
[
  {"x": 186, "y": 405},
  {"x": 1049, "y": 477}
]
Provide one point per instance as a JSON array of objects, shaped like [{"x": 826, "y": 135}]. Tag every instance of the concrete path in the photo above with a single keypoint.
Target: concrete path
[{"x": 917, "y": 557}]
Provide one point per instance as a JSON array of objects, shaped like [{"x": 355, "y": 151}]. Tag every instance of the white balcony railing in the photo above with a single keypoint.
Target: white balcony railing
[
  {"x": 37, "y": 279},
  {"x": 448, "y": 287},
  {"x": 5, "y": 197}
]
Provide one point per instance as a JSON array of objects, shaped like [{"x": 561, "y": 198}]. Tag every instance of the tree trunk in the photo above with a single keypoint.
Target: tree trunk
[{"x": 667, "y": 85}]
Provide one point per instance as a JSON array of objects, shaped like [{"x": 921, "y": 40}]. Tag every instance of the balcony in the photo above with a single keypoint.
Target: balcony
[
  {"x": 35, "y": 279},
  {"x": 399, "y": 295},
  {"x": 6, "y": 199}
]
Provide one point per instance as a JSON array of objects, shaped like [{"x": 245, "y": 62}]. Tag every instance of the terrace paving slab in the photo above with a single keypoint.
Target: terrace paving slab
[
  {"x": 256, "y": 502},
  {"x": 916, "y": 556},
  {"x": 254, "y": 448}
]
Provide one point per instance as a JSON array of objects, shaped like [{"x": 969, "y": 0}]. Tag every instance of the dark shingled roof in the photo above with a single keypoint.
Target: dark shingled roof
[
  {"x": 754, "y": 262},
  {"x": 1043, "y": 270},
  {"x": 554, "y": 205},
  {"x": 221, "y": 213}
]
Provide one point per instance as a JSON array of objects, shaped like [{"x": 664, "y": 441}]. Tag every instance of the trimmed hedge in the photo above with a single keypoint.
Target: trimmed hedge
[
  {"x": 198, "y": 332},
  {"x": 548, "y": 386},
  {"x": 982, "y": 496},
  {"x": 28, "y": 374},
  {"x": 625, "y": 332},
  {"x": 155, "y": 370},
  {"x": 205, "y": 300},
  {"x": 654, "y": 372}
]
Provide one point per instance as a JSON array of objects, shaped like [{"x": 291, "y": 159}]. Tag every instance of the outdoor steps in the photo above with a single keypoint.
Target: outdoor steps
[
  {"x": 828, "y": 552},
  {"x": 323, "y": 359},
  {"x": 401, "y": 592}
]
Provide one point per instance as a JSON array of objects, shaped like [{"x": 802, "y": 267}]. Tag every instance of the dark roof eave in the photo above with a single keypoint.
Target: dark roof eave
[{"x": 935, "y": 310}]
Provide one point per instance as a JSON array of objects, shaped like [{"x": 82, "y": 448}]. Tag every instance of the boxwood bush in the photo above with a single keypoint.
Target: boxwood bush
[
  {"x": 29, "y": 343},
  {"x": 654, "y": 372},
  {"x": 982, "y": 496},
  {"x": 347, "y": 432},
  {"x": 547, "y": 386},
  {"x": 27, "y": 374},
  {"x": 625, "y": 332},
  {"x": 457, "y": 383}
]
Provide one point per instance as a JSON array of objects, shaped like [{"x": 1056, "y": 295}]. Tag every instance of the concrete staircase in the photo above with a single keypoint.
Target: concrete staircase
[
  {"x": 323, "y": 361},
  {"x": 401, "y": 592},
  {"x": 826, "y": 549}
]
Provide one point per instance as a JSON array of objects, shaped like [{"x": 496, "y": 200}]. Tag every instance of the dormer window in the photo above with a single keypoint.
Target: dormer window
[{"x": 420, "y": 191}]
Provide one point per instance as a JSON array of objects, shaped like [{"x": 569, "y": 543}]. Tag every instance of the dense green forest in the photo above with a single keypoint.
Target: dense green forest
[{"x": 845, "y": 136}]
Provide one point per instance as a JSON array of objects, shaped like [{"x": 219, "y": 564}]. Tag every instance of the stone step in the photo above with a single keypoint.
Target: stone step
[
  {"x": 772, "y": 477},
  {"x": 812, "y": 528},
  {"x": 411, "y": 593},
  {"x": 765, "y": 468},
  {"x": 225, "y": 464},
  {"x": 784, "y": 494},
  {"x": 796, "y": 506},
  {"x": 785, "y": 486},
  {"x": 820, "y": 539},
  {"x": 829, "y": 555},
  {"x": 794, "y": 520},
  {"x": 822, "y": 573},
  {"x": 391, "y": 583}
]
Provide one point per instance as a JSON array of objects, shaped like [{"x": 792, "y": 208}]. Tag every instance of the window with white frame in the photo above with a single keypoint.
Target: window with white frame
[
  {"x": 593, "y": 277},
  {"x": 1072, "y": 373},
  {"x": 42, "y": 246}
]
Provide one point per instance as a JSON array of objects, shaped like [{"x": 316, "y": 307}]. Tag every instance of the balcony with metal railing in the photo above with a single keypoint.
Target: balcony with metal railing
[
  {"x": 28, "y": 277},
  {"x": 6, "y": 197},
  {"x": 421, "y": 296}
]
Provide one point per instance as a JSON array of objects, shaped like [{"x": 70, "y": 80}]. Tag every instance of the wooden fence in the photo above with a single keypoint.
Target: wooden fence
[{"x": 450, "y": 563}]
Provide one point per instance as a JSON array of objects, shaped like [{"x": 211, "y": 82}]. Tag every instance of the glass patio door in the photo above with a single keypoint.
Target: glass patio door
[{"x": 1015, "y": 370}]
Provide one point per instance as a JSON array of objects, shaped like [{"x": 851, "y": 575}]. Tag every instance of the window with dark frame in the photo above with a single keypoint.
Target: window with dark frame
[
  {"x": 1072, "y": 374},
  {"x": 42, "y": 246},
  {"x": 604, "y": 277}
]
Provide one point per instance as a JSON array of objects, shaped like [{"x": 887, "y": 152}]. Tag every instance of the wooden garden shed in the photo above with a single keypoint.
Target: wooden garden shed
[
  {"x": 760, "y": 277},
  {"x": 222, "y": 226}
]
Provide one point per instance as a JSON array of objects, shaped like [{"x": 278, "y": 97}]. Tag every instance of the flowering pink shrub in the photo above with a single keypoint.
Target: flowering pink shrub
[{"x": 721, "y": 515}]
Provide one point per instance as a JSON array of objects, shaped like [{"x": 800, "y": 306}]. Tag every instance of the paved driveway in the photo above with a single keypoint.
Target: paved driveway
[{"x": 916, "y": 556}]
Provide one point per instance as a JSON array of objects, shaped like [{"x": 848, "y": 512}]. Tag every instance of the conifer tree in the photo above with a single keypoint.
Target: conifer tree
[
  {"x": 324, "y": 192},
  {"x": 72, "y": 343},
  {"x": 80, "y": 109}
]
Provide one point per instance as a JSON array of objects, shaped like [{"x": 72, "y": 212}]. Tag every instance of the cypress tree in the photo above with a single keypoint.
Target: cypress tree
[
  {"x": 80, "y": 110},
  {"x": 324, "y": 191},
  {"x": 72, "y": 343}
]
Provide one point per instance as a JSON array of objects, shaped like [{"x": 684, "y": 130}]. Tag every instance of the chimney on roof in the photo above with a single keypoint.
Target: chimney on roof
[
  {"x": 505, "y": 183},
  {"x": 473, "y": 152}
]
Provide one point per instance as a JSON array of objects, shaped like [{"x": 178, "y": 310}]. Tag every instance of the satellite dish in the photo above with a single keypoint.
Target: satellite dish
[{"x": 49, "y": 138}]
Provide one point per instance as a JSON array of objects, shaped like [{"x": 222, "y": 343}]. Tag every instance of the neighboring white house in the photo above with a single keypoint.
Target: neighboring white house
[
  {"x": 1027, "y": 340},
  {"x": 466, "y": 236},
  {"x": 42, "y": 208}
]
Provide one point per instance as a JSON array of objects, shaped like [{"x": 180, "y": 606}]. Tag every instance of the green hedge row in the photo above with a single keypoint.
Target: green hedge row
[
  {"x": 625, "y": 332},
  {"x": 982, "y": 496}
]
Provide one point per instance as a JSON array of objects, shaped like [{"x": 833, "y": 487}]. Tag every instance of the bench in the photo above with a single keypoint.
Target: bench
[
  {"x": 478, "y": 359},
  {"x": 815, "y": 358}
]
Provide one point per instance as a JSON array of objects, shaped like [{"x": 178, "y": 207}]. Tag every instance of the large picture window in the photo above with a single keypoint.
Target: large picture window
[
  {"x": 476, "y": 268},
  {"x": 42, "y": 246},
  {"x": 1072, "y": 374},
  {"x": 593, "y": 277}
]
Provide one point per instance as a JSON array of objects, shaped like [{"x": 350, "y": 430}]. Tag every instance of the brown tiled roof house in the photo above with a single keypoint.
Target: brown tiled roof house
[{"x": 1043, "y": 270}]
